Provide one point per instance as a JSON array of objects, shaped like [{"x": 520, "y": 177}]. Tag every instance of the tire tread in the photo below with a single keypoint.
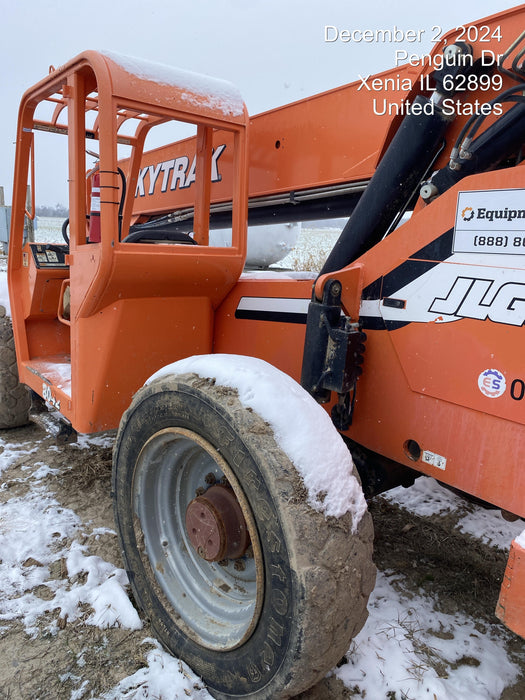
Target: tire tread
[{"x": 15, "y": 399}]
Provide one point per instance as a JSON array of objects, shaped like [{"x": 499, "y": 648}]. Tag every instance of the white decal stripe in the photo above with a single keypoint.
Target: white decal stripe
[
  {"x": 370, "y": 308},
  {"x": 274, "y": 304}
]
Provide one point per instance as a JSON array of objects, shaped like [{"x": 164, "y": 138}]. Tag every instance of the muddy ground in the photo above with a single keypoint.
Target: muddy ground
[{"x": 459, "y": 571}]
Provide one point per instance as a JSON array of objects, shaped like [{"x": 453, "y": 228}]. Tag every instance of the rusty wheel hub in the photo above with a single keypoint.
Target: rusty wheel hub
[{"x": 216, "y": 526}]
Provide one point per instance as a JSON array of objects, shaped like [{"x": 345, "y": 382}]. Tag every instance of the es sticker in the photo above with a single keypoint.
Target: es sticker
[{"x": 492, "y": 383}]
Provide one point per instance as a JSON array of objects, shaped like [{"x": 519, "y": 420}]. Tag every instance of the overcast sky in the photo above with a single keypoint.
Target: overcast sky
[{"x": 273, "y": 50}]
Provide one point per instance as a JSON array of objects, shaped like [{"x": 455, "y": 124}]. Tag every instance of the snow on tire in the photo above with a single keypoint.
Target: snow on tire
[
  {"x": 15, "y": 399},
  {"x": 256, "y": 589}
]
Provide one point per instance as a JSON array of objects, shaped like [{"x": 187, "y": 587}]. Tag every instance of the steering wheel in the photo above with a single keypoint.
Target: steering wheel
[{"x": 64, "y": 232}]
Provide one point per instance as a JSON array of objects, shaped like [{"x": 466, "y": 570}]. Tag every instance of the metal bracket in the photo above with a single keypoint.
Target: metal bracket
[{"x": 333, "y": 353}]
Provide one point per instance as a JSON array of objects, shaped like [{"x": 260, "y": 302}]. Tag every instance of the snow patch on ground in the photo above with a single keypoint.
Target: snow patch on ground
[
  {"x": 489, "y": 527},
  {"x": 427, "y": 497},
  {"x": 84, "y": 442},
  {"x": 165, "y": 677},
  {"x": 35, "y": 530},
  {"x": 300, "y": 426},
  {"x": 104, "y": 591},
  {"x": 11, "y": 453},
  {"x": 407, "y": 647},
  {"x": 26, "y": 549}
]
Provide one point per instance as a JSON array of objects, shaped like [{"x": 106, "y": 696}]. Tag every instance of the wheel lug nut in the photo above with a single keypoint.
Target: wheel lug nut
[
  {"x": 239, "y": 565},
  {"x": 200, "y": 491},
  {"x": 210, "y": 479}
]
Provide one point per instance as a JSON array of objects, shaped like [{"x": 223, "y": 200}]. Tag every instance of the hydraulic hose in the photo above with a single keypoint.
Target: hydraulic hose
[{"x": 405, "y": 163}]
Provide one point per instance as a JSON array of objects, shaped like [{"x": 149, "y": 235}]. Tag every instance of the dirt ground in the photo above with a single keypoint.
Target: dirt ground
[{"x": 460, "y": 572}]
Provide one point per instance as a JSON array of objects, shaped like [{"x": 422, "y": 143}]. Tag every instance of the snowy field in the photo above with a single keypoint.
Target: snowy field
[{"x": 67, "y": 623}]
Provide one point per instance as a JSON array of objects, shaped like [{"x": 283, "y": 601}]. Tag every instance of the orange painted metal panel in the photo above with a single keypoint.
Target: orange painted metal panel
[
  {"x": 511, "y": 603},
  {"x": 279, "y": 340}
]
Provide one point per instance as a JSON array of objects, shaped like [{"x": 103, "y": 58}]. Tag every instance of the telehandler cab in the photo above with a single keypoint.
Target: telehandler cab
[{"x": 243, "y": 526}]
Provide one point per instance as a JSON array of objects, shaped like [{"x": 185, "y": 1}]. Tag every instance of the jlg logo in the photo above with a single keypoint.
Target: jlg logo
[{"x": 480, "y": 299}]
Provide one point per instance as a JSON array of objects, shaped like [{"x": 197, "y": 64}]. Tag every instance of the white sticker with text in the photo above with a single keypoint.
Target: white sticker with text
[{"x": 490, "y": 221}]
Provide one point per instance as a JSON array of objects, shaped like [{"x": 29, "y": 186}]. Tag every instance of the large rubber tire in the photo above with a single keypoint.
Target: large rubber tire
[
  {"x": 15, "y": 399},
  {"x": 277, "y": 626}
]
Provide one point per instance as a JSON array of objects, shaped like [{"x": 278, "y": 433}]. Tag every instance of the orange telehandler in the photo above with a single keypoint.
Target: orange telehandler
[{"x": 409, "y": 339}]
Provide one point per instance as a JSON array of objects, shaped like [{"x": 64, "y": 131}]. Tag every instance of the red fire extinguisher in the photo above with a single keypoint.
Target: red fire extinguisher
[{"x": 94, "y": 214}]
